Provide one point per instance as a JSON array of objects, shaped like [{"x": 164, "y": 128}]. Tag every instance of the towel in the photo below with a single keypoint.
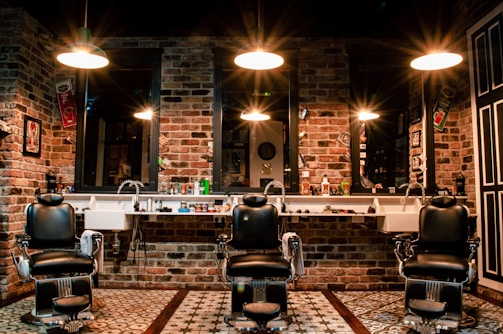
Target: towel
[
  {"x": 87, "y": 247},
  {"x": 296, "y": 260}
]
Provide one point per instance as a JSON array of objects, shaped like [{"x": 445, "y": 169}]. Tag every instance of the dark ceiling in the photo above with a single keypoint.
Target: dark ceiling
[{"x": 305, "y": 18}]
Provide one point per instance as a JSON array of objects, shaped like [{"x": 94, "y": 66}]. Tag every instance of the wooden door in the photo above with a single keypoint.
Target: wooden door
[{"x": 485, "y": 49}]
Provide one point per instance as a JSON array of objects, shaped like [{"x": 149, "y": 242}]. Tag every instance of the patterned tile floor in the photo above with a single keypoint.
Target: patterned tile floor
[
  {"x": 119, "y": 311},
  {"x": 381, "y": 312},
  {"x": 204, "y": 311}
]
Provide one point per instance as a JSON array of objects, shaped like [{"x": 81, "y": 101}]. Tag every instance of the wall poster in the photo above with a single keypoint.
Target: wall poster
[
  {"x": 32, "y": 136},
  {"x": 442, "y": 107},
  {"x": 66, "y": 102}
]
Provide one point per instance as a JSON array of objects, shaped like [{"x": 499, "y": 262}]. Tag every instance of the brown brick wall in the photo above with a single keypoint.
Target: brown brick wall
[
  {"x": 180, "y": 252},
  {"x": 338, "y": 254},
  {"x": 26, "y": 89}
]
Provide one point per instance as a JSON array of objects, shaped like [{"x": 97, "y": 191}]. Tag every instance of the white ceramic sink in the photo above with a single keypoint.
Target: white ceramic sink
[
  {"x": 400, "y": 217},
  {"x": 399, "y": 222},
  {"x": 107, "y": 219}
]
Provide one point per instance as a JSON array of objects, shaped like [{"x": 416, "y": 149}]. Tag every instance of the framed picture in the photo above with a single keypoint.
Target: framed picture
[
  {"x": 442, "y": 107},
  {"x": 416, "y": 138},
  {"x": 416, "y": 162},
  {"x": 32, "y": 136}
]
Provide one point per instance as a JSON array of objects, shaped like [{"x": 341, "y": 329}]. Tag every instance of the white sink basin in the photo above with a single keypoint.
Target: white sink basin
[
  {"x": 399, "y": 222},
  {"x": 400, "y": 217},
  {"x": 115, "y": 220}
]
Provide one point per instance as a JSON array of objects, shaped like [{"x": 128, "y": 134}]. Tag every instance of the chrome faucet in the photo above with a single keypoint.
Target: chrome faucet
[
  {"x": 137, "y": 185},
  {"x": 411, "y": 186},
  {"x": 279, "y": 184}
]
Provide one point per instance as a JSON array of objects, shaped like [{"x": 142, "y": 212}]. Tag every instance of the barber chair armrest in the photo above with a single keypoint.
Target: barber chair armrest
[
  {"x": 97, "y": 243},
  {"x": 473, "y": 243},
  {"x": 403, "y": 245},
  {"x": 404, "y": 236},
  {"x": 22, "y": 262},
  {"x": 294, "y": 242},
  {"x": 23, "y": 242},
  {"x": 22, "y": 239},
  {"x": 222, "y": 251}
]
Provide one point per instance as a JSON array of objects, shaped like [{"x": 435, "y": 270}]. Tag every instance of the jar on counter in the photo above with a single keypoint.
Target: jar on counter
[{"x": 346, "y": 188}]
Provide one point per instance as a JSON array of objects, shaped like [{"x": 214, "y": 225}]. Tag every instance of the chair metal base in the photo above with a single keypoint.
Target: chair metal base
[
  {"x": 244, "y": 324},
  {"x": 436, "y": 325},
  {"x": 431, "y": 327},
  {"x": 61, "y": 321}
]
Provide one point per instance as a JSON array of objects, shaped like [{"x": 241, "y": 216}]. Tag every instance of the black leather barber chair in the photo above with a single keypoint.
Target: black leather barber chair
[
  {"x": 252, "y": 261},
  {"x": 52, "y": 257},
  {"x": 437, "y": 264}
]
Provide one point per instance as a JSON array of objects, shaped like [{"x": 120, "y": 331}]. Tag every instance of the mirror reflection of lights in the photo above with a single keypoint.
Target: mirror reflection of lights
[
  {"x": 146, "y": 114},
  {"x": 436, "y": 61},
  {"x": 254, "y": 115},
  {"x": 367, "y": 115}
]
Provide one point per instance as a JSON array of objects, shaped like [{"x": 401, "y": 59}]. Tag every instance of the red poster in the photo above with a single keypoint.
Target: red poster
[{"x": 66, "y": 103}]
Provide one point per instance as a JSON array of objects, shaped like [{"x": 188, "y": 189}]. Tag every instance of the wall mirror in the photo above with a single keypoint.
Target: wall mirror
[
  {"x": 380, "y": 147},
  {"x": 112, "y": 144},
  {"x": 250, "y": 154}
]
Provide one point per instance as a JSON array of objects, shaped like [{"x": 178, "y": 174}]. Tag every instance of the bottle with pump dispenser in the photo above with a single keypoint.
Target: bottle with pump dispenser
[
  {"x": 460, "y": 184},
  {"x": 325, "y": 186},
  {"x": 305, "y": 186},
  {"x": 197, "y": 188},
  {"x": 206, "y": 186}
]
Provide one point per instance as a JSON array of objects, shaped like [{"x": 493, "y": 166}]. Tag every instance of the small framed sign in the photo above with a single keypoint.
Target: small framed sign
[
  {"x": 416, "y": 162},
  {"x": 416, "y": 138},
  {"x": 442, "y": 107},
  {"x": 32, "y": 136}
]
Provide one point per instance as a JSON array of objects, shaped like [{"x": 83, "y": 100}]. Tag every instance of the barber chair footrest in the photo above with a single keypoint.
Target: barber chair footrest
[
  {"x": 428, "y": 309},
  {"x": 262, "y": 311},
  {"x": 71, "y": 304}
]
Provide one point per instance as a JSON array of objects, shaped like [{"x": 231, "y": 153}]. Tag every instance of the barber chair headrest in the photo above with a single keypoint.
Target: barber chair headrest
[
  {"x": 443, "y": 201},
  {"x": 255, "y": 200},
  {"x": 50, "y": 199}
]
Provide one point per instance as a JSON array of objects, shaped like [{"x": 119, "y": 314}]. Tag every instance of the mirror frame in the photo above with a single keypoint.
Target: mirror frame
[
  {"x": 368, "y": 63},
  {"x": 133, "y": 58},
  {"x": 223, "y": 58},
  {"x": 426, "y": 103}
]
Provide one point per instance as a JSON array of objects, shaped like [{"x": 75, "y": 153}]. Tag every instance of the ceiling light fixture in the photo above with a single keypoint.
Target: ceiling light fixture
[
  {"x": 436, "y": 61},
  {"x": 367, "y": 115},
  {"x": 256, "y": 57},
  {"x": 83, "y": 54}
]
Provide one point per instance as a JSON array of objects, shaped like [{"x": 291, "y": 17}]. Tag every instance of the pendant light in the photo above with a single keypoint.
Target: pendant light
[
  {"x": 256, "y": 57},
  {"x": 83, "y": 54},
  {"x": 436, "y": 61}
]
